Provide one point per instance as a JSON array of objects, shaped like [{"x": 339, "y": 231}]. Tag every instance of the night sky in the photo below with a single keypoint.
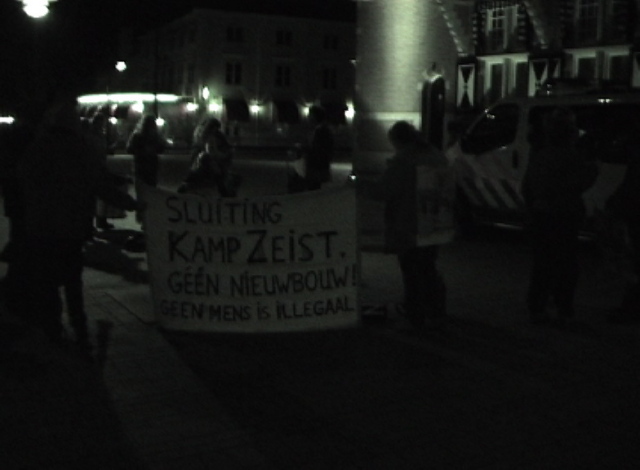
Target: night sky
[{"x": 78, "y": 39}]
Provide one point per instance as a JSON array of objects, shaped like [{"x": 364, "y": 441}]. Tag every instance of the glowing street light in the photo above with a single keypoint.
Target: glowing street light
[
  {"x": 121, "y": 66},
  {"x": 36, "y": 8}
]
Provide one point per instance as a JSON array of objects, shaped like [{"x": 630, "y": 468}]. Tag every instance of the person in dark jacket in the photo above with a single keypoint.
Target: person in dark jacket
[
  {"x": 424, "y": 287},
  {"x": 145, "y": 144},
  {"x": 553, "y": 184},
  {"x": 319, "y": 152},
  {"x": 61, "y": 177}
]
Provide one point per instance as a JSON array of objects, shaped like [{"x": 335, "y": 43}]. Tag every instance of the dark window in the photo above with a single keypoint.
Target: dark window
[
  {"x": 283, "y": 76},
  {"x": 496, "y": 128},
  {"x": 335, "y": 112},
  {"x": 235, "y": 34},
  {"x": 283, "y": 37},
  {"x": 331, "y": 42},
  {"x": 587, "y": 21},
  {"x": 329, "y": 78},
  {"x": 286, "y": 111},
  {"x": 191, "y": 74},
  {"x": 619, "y": 70},
  {"x": 497, "y": 83},
  {"x": 521, "y": 87},
  {"x": 193, "y": 32},
  {"x": 586, "y": 68},
  {"x": 236, "y": 110},
  {"x": 233, "y": 75}
]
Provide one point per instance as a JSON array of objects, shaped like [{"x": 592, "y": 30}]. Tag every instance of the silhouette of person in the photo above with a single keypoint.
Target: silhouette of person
[
  {"x": 145, "y": 144},
  {"x": 553, "y": 184},
  {"x": 211, "y": 167},
  {"x": 319, "y": 152},
  {"x": 98, "y": 137},
  {"x": 61, "y": 177},
  {"x": 424, "y": 287}
]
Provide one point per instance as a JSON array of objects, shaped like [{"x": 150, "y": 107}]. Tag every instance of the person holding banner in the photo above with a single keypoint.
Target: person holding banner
[{"x": 418, "y": 188}]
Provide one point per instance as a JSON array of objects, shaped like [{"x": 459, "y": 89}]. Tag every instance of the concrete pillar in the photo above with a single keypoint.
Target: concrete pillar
[{"x": 399, "y": 43}]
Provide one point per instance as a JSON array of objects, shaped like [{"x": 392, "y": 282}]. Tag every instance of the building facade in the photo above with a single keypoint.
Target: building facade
[
  {"x": 478, "y": 51},
  {"x": 258, "y": 74}
]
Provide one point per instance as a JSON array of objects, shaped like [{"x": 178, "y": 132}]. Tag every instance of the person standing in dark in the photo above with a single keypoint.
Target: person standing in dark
[
  {"x": 424, "y": 287},
  {"x": 319, "y": 152},
  {"x": 16, "y": 139},
  {"x": 624, "y": 205},
  {"x": 554, "y": 181},
  {"x": 211, "y": 167},
  {"x": 61, "y": 177},
  {"x": 145, "y": 144}
]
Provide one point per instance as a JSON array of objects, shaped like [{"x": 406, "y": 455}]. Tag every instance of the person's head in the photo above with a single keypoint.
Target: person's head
[
  {"x": 148, "y": 124},
  {"x": 560, "y": 127},
  {"x": 402, "y": 134},
  {"x": 209, "y": 127},
  {"x": 317, "y": 114}
]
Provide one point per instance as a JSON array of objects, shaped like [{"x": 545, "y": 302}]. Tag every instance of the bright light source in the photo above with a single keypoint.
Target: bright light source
[
  {"x": 138, "y": 107},
  {"x": 36, "y": 8},
  {"x": 160, "y": 122},
  {"x": 205, "y": 93},
  {"x": 121, "y": 66},
  {"x": 113, "y": 120},
  {"x": 122, "y": 98},
  {"x": 191, "y": 107},
  {"x": 255, "y": 108},
  {"x": 215, "y": 107},
  {"x": 7, "y": 120},
  {"x": 350, "y": 112}
]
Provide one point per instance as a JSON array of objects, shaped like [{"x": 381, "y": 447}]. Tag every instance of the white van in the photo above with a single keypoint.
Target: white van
[{"x": 491, "y": 156}]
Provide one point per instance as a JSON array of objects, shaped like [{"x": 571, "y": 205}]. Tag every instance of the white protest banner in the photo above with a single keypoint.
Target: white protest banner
[{"x": 267, "y": 264}]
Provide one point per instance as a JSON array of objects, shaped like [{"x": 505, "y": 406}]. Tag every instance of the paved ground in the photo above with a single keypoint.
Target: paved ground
[{"x": 490, "y": 392}]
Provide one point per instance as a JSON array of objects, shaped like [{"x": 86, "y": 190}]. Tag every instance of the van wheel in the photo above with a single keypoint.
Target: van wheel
[{"x": 466, "y": 221}]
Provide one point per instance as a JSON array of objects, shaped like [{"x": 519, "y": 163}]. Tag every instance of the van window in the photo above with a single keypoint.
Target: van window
[
  {"x": 495, "y": 129},
  {"x": 607, "y": 128}
]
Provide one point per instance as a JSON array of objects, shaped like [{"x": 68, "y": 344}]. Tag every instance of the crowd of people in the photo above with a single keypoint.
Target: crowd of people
[
  {"x": 558, "y": 174},
  {"x": 57, "y": 191}
]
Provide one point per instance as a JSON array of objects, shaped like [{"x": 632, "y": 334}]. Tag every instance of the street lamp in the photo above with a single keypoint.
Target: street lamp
[{"x": 36, "y": 8}]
